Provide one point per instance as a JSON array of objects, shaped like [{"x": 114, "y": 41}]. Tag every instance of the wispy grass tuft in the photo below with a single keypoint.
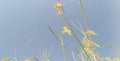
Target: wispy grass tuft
[{"x": 87, "y": 46}]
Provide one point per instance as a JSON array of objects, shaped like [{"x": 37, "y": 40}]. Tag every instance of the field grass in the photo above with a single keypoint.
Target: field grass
[
  {"x": 84, "y": 49},
  {"x": 87, "y": 46}
]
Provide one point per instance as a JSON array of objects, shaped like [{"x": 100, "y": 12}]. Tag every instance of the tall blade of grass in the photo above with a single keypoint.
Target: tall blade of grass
[
  {"x": 73, "y": 33},
  {"x": 62, "y": 44},
  {"x": 85, "y": 20},
  {"x": 45, "y": 55},
  {"x": 49, "y": 52},
  {"x": 83, "y": 14},
  {"x": 77, "y": 27},
  {"x": 75, "y": 36},
  {"x": 53, "y": 33},
  {"x": 31, "y": 39},
  {"x": 80, "y": 29},
  {"x": 78, "y": 54},
  {"x": 60, "y": 37},
  {"x": 73, "y": 55},
  {"x": 28, "y": 42}
]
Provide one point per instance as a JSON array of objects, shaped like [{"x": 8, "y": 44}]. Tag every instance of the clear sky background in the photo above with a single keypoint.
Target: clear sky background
[{"x": 21, "y": 19}]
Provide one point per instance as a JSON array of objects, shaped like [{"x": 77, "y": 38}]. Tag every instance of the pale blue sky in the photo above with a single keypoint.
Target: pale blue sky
[{"x": 20, "y": 19}]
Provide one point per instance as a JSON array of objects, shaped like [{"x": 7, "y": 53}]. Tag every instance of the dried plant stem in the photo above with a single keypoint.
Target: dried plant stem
[
  {"x": 74, "y": 35},
  {"x": 62, "y": 43},
  {"x": 85, "y": 20},
  {"x": 73, "y": 55},
  {"x": 60, "y": 39},
  {"x": 53, "y": 33}
]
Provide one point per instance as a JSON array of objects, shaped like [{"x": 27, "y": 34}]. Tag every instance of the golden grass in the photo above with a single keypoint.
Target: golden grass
[{"x": 86, "y": 44}]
